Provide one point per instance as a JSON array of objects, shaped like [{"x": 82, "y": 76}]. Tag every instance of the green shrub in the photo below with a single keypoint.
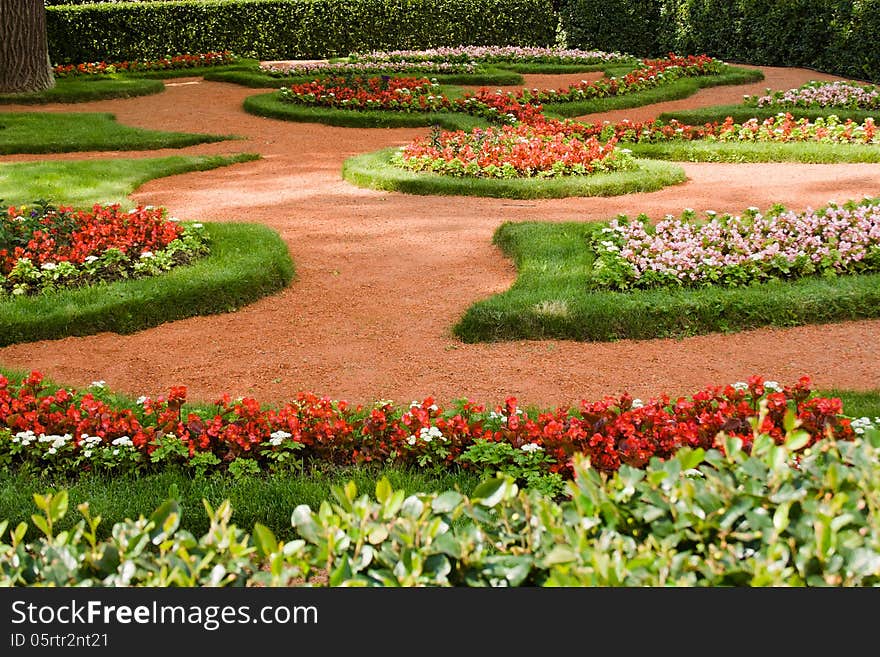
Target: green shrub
[
  {"x": 778, "y": 516},
  {"x": 290, "y": 29},
  {"x": 835, "y": 36}
]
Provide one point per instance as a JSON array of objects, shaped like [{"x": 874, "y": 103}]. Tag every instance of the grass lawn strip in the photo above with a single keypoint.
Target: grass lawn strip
[
  {"x": 550, "y": 298},
  {"x": 375, "y": 171},
  {"x": 246, "y": 263},
  {"x": 715, "y": 151},
  {"x": 35, "y": 132},
  {"x": 270, "y": 105},
  {"x": 83, "y": 89},
  {"x": 86, "y": 182}
]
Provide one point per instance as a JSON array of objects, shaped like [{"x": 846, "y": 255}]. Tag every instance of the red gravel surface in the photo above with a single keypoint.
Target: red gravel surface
[{"x": 381, "y": 277}]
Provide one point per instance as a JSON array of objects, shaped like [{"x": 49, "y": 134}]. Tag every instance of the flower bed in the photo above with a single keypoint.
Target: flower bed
[
  {"x": 425, "y": 67},
  {"x": 782, "y": 128},
  {"x": 58, "y": 431},
  {"x": 739, "y": 250},
  {"x": 521, "y": 151},
  {"x": 651, "y": 73},
  {"x": 368, "y": 93},
  {"x": 494, "y": 54},
  {"x": 45, "y": 248},
  {"x": 164, "y": 64},
  {"x": 849, "y": 95}
]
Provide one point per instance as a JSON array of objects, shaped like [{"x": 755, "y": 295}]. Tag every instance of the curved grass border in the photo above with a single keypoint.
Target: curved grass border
[
  {"x": 713, "y": 151},
  {"x": 81, "y": 90},
  {"x": 258, "y": 80},
  {"x": 375, "y": 171},
  {"x": 676, "y": 90},
  {"x": 550, "y": 298},
  {"x": 741, "y": 114},
  {"x": 68, "y": 132},
  {"x": 246, "y": 263},
  {"x": 271, "y": 106}
]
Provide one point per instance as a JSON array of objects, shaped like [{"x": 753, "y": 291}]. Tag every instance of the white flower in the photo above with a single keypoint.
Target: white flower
[
  {"x": 122, "y": 440},
  {"x": 740, "y": 385},
  {"x": 49, "y": 266},
  {"x": 428, "y": 434},
  {"x": 532, "y": 447},
  {"x": 143, "y": 399},
  {"x": 637, "y": 403},
  {"x": 146, "y": 255},
  {"x": 91, "y": 259},
  {"x": 87, "y": 453},
  {"x": 174, "y": 219},
  {"x": 91, "y": 441},
  {"x": 116, "y": 452},
  {"x": 277, "y": 437},
  {"x": 98, "y": 384},
  {"x": 52, "y": 450},
  {"x": 24, "y": 437},
  {"x": 772, "y": 385},
  {"x": 198, "y": 225},
  {"x": 411, "y": 440}
]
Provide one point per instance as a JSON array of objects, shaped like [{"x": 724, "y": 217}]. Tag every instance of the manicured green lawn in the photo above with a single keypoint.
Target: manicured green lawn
[
  {"x": 247, "y": 262},
  {"x": 551, "y": 297},
  {"x": 715, "y": 151},
  {"x": 375, "y": 171},
  {"x": 36, "y": 132},
  {"x": 264, "y": 499},
  {"x": 85, "y": 182},
  {"x": 83, "y": 89},
  {"x": 270, "y": 105}
]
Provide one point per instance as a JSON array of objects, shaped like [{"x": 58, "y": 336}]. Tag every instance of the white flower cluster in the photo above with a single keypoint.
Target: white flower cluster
[
  {"x": 861, "y": 424},
  {"x": 427, "y": 435},
  {"x": 530, "y": 448},
  {"x": 278, "y": 437}
]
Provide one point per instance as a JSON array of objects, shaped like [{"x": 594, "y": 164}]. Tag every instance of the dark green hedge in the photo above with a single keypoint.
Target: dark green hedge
[
  {"x": 288, "y": 29},
  {"x": 838, "y": 36}
]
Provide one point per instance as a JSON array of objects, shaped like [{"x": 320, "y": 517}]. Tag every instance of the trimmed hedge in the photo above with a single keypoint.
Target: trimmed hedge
[
  {"x": 290, "y": 29},
  {"x": 831, "y": 35}
]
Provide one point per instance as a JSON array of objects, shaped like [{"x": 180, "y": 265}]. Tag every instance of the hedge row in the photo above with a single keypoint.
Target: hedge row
[
  {"x": 838, "y": 36},
  {"x": 290, "y": 29}
]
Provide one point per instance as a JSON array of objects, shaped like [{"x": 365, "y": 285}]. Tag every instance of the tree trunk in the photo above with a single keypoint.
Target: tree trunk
[{"x": 24, "y": 51}]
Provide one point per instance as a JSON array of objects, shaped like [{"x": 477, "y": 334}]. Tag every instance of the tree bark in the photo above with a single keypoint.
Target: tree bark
[{"x": 24, "y": 50}]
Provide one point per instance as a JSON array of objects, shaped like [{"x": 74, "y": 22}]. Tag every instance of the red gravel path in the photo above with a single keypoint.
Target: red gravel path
[{"x": 381, "y": 277}]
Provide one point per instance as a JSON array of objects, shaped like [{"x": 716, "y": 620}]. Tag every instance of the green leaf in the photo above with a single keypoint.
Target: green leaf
[
  {"x": 341, "y": 573},
  {"x": 789, "y": 422},
  {"x": 19, "y": 532},
  {"x": 41, "y": 524},
  {"x": 166, "y": 520},
  {"x": 58, "y": 505},
  {"x": 780, "y": 517},
  {"x": 691, "y": 458},
  {"x": 378, "y": 534},
  {"x": 265, "y": 540},
  {"x": 303, "y": 521},
  {"x": 392, "y": 505},
  {"x": 42, "y": 501},
  {"x": 383, "y": 489},
  {"x": 491, "y": 492},
  {"x": 797, "y": 440},
  {"x": 447, "y": 501},
  {"x": 560, "y": 554}
]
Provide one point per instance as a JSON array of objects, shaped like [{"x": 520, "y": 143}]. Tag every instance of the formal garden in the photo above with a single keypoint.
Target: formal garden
[{"x": 322, "y": 292}]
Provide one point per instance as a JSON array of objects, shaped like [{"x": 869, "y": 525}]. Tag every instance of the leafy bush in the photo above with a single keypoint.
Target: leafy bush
[
  {"x": 772, "y": 517},
  {"x": 834, "y": 36},
  {"x": 290, "y": 29}
]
